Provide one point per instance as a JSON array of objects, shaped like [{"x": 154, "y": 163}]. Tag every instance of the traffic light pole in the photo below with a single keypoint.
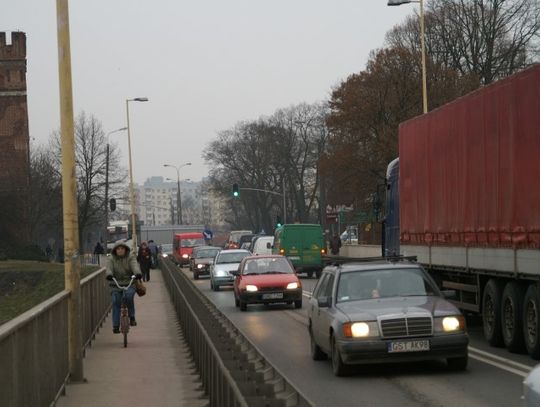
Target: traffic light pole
[{"x": 283, "y": 194}]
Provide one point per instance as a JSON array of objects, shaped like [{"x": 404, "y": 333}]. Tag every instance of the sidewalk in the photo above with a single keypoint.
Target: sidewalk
[{"x": 154, "y": 369}]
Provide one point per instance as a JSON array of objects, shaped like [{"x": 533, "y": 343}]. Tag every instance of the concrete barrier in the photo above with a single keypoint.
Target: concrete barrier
[{"x": 360, "y": 250}]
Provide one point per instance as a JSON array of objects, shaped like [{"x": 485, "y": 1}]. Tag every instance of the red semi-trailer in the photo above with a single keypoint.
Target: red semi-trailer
[{"x": 469, "y": 204}]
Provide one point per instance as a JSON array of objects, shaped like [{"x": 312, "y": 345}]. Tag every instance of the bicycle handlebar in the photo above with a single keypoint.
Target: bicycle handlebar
[{"x": 126, "y": 287}]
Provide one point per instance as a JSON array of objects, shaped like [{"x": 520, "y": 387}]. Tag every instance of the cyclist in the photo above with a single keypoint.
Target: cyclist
[{"x": 122, "y": 265}]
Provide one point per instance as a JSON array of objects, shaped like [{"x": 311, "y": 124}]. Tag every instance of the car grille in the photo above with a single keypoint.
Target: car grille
[
  {"x": 272, "y": 288},
  {"x": 405, "y": 327}
]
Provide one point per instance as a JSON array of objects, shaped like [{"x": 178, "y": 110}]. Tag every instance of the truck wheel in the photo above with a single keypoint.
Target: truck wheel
[
  {"x": 531, "y": 321},
  {"x": 491, "y": 313},
  {"x": 512, "y": 316}
]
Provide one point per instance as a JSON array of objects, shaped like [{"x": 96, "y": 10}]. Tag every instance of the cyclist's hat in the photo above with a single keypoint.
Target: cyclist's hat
[{"x": 118, "y": 244}]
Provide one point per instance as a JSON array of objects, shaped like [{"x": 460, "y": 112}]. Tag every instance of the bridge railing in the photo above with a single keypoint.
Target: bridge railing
[{"x": 34, "y": 361}]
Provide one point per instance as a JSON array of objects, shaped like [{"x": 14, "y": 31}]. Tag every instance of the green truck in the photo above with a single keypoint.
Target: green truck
[{"x": 303, "y": 245}]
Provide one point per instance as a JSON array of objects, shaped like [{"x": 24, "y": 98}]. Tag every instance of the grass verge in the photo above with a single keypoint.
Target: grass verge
[{"x": 24, "y": 284}]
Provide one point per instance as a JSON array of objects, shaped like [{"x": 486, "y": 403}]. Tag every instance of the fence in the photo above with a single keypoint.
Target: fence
[
  {"x": 233, "y": 372},
  {"x": 34, "y": 361}
]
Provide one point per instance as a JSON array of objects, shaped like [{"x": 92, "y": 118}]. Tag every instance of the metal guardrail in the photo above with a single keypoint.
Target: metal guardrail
[
  {"x": 233, "y": 372},
  {"x": 34, "y": 365}
]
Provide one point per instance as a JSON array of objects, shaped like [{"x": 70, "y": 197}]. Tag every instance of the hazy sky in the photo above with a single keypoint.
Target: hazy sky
[{"x": 204, "y": 65}]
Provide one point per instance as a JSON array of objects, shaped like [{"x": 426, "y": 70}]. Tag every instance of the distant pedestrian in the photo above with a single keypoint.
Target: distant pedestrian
[
  {"x": 154, "y": 249},
  {"x": 98, "y": 251},
  {"x": 335, "y": 244},
  {"x": 144, "y": 258},
  {"x": 48, "y": 252}
]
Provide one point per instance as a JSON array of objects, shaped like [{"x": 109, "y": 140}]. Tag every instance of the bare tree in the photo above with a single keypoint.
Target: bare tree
[
  {"x": 488, "y": 38},
  {"x": 91, "y": 160}
]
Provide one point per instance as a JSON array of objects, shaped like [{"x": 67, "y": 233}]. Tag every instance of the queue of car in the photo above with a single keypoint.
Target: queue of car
[{"x": 383, "y": 311}]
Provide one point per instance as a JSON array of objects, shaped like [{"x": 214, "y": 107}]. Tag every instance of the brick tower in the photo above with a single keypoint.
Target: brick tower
[{"x": 14, "y": 139}]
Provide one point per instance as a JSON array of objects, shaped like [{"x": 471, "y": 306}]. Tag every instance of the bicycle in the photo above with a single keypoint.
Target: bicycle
[{"x": 124, "y": 314}]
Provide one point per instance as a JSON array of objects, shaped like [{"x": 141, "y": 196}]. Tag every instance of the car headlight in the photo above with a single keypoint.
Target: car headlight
[
  {"x": 450, "y": 324},
  {"x": 185, "y": 256},
  {"x": 360, "y": 329},
  {"x": 251, "y": 288},
  {"x": 164, "y": 254},
  {"x": 220, "y": 273},
  {"x": 200, "y": 266},
  {"x": 292, "y": 286}
]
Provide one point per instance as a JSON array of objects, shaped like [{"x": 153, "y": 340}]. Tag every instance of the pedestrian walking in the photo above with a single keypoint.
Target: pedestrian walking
[
  {"x": 98, "y": 251},
  {"x": 335, "y": 244},
  {"x": 48, "y": 252},
  {"x": 144, "y": 257},
  {"x": 154, "y": 253}
]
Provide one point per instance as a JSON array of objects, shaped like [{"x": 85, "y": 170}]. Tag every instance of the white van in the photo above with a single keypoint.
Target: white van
[{"x": 263, "y": 245}]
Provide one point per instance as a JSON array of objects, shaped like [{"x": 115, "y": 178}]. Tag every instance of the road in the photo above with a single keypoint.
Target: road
[{"x": 493, "y": 377}]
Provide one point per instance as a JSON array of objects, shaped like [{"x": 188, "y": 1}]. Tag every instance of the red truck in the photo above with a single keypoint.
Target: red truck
[
  {"x": 464, "y": 197},
  {"x": 183, "y": 244}
]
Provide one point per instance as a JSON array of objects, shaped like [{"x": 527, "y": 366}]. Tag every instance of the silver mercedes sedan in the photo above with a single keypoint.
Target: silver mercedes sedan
[{"x": 384, "y": 312}]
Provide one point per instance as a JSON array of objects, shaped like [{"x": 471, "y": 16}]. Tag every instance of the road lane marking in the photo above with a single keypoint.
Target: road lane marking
[
  {"x": 510, "y": 366},
  {"x": 501, "y": 359},
  {"x": 499, "y": 365}
]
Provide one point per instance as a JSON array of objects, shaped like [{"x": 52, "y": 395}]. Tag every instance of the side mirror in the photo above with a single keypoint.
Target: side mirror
[
  {"x": 324, "y": 302},
  {"x": 448, "y": 293},
  {"x": 269, "y": 246},
  {"x": 235, "y": 272}
]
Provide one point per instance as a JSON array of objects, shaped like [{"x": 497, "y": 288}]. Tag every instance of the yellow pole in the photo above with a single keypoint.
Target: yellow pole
[
  {"x": 72, "y": 264},
  {"x": 423, "y": 45},
  {"x": 131, "y": 191}
]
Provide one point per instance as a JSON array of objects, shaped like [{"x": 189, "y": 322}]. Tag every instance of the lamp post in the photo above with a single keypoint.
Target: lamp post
[
  {"x": 107, "y": 183},
  {"x": 72, "y": 265},
  {"x": 422, "y": 45},
  {"x": 178, "y": 197},
  {"x": 131, "y": 192}
]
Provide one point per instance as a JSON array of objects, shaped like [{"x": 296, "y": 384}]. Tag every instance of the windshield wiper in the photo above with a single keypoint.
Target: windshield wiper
[{"x": 251, "y": 274}]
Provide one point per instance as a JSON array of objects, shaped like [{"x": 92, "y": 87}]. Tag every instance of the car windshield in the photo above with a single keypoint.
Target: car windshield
[
  {"x": 206, "y": 253},
  {"x": 237, "y": 257},
  {"x": 268, "y": 266},
  {"x": 364, "y": 285},
  {"x": 167, "y": 248},
  {"x": 192, "y": 242}
]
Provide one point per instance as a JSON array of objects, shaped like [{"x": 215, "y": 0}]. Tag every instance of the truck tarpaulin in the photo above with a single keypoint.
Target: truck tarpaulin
[{"x": 470, "y": 170}]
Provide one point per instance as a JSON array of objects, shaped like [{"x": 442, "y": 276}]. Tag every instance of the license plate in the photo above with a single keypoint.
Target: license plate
[
  {"x": 272, "y": 296},
  {"x": 294, "y": 258},
  {"x": 408, "y": 346}
]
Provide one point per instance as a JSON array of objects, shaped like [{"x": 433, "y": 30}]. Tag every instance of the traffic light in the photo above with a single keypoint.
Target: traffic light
[
  {"x": 235, "y": 190},
  {"x": 278, "y": 221},
  {"x": 112, "y": 204}
]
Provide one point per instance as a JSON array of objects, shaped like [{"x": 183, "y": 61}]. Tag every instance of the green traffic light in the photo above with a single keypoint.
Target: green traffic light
[{"x": 235, "y": 193}]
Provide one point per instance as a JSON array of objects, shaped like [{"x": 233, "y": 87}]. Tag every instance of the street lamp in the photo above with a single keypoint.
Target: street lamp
[
  {"x": 131, "y": 192},
  {"x": 107, "y": 183},
  {"x": 422, "y": 45},
  {"x": 178, "y": 197}
]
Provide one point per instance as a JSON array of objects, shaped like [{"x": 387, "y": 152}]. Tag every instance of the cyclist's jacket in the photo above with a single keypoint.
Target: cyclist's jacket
[{"x": 122, "y": 268}]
